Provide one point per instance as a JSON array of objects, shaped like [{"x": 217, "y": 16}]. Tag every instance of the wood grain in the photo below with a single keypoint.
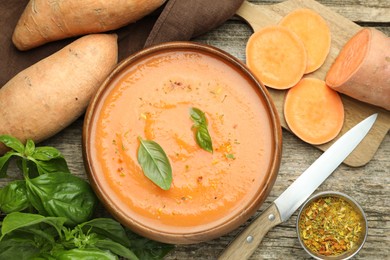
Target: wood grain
[
  {"x": 366, "y": 11},
  {"x": 342, "y": 30},
  {"x": 369, "y": 185}
]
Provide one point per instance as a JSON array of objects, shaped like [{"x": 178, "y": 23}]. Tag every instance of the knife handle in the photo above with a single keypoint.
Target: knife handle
[{"x": 243, "y": 246}]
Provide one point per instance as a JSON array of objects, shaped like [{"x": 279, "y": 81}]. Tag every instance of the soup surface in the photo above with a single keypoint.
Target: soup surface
[{"x": 152, "y": 99}]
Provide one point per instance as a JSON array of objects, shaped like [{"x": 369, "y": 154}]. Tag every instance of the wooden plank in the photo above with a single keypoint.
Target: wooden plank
[{"x": 376, "y": 11}]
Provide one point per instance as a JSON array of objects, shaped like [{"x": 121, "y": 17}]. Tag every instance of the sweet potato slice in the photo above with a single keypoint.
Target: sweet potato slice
[
  {"x": 46, "y": 97},
  {"x": 44, "y": 21},
  {"x": 313, "y": 111},
  {"x": 314, "y": 32},
  {"x": 362, "y": 68},
  {"x": 276, "y": 56}
]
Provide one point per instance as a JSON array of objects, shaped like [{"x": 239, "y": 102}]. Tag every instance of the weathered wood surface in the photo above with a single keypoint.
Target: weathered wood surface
[
  {"x": 365, "y": 11},
  {"x": 369, "y": 185}
]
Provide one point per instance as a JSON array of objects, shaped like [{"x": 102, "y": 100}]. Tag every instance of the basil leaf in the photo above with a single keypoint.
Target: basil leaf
[
  {"x": 85, "y": 253},
  {"x": 30, "y": 147},
  {"x": 18, "y": 248},
  {"x": 57, "y": 164},
  {"x": 33, "y": 234},
  {"x": 107, "y": 228},
  {"x": 155, "y": 163},
  {"x": 46, "y": 153},
  {"x": 198, "y": 116},
  {"x": 142, "y": 247},
  {"x": 147, "y": 249},
  {"x": 4, "y": 162},
  {"x": 116, "y": 248},
  {"x": 12, "y": 143},
  {"x": 62, "y": 195},
  {"x": 41, "y": 231},
  {"x": 203, "y": 138},
  {"x": 13, "y": 197},
  {"x": 17, "y": 220}
]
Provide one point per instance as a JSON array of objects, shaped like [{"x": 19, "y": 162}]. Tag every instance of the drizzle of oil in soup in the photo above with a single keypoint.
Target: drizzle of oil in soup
[{"x": 152, "y": 99}]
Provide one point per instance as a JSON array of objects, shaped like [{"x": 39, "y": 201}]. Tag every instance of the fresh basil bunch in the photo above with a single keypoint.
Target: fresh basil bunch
[
  {"x": 33, "y": 236},
  {"x": 48, "y": 186},
  {"x": 65, "y": 203}
]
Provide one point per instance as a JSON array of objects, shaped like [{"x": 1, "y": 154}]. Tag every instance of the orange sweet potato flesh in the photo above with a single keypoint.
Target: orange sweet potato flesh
[
  {"x": 313, "y": 111},
  {"x": 43, "y": 99},
  {"x": 314, "y": 32},
  {"x": 362, "y": 68},
  {"x": 44, "y": 21},
  {"x": 276, "y": 56}
]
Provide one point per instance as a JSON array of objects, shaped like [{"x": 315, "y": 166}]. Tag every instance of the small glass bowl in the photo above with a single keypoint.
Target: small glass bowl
[{"x": 357, "y": 245}]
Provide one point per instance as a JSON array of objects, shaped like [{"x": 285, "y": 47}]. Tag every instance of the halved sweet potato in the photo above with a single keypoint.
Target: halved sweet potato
[{"x": 362, "y": 68}]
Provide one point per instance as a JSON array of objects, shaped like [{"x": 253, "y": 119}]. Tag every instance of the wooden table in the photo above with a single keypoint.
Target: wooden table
[{"x": 369, "y": 185}]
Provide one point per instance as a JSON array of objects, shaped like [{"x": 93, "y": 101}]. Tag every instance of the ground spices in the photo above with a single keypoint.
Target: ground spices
[{"x": 330, "y": 226}]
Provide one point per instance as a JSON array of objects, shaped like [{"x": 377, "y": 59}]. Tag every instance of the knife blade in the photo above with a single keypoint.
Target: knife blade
[{"x": 243, "y": 246}]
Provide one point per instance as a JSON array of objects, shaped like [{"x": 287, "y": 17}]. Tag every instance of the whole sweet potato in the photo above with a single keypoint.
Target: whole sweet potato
[
  {"x": 46, "y": 97},
  {"x": 44, "y": 21}
]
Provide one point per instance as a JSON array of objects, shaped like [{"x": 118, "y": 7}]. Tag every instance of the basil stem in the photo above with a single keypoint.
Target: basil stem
[
  {"x": 155, "y": 163},
  {"x": 202, "y": 135}
]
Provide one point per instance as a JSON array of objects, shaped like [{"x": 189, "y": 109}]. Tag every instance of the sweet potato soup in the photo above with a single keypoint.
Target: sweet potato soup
[{"x": 151, "y": 99}]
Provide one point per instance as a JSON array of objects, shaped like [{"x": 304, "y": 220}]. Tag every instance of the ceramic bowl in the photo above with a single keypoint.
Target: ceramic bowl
[
  {"x": 156, "y": 86},
  {"x": 354, "y": 231}
]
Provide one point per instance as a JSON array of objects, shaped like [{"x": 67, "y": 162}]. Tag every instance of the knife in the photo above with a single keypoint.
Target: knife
[{"x": 243, "y": 246}]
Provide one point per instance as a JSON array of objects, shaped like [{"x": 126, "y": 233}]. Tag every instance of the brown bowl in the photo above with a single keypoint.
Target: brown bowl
[{"x": 148, "y": 95}]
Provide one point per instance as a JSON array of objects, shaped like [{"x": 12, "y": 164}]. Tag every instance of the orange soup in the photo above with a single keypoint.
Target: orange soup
[{"x": 151, "y": 99}]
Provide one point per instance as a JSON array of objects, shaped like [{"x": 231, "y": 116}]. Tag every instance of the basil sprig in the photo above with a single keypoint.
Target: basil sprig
[
  {"x": 48, "y": 186},
  {"x": 202, "y": 134},
  {"x": 33, "y": 236},
  {"x": 155, "y": 163},
  {"x": 48, "y": 213}
]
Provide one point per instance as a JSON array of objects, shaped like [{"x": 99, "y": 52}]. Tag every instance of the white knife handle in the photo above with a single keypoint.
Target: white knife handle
[{"x": 243, "y": 246}]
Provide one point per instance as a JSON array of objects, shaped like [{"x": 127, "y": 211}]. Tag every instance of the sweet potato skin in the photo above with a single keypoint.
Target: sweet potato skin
[
  {"x": 44, "y": 21},
  {"x": 46, "y": 97},
  {"x": 370, "y": 81}
]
